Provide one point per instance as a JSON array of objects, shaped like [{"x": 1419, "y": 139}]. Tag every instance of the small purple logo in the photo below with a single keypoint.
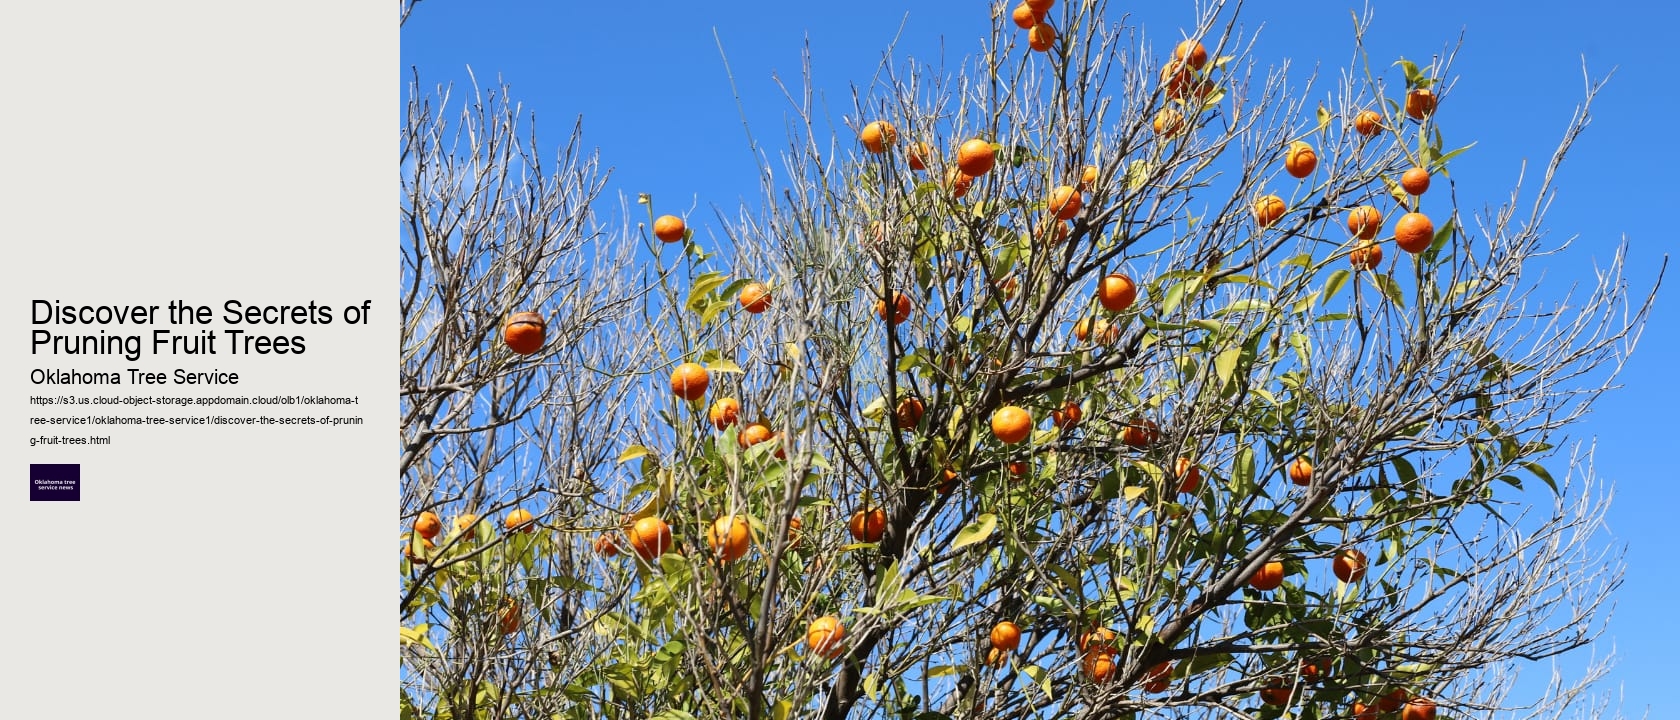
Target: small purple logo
[{"x": 55, "y": 482}]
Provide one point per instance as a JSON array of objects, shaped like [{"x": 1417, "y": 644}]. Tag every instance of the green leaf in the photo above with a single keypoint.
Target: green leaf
[
  {"x": 1334, "y": 283},
  {"x": 1389, "y": 288},
  {"x": 723, "y": 366},
  {"x": 1225, "y": 365},
  {"x": 1540, "y": 471},
  {"x": 941, "y": 671},
  {"x": 1041, "y": 677},
  {"x": 632, "y": 452},
  {"x": 976, "y": 531}
]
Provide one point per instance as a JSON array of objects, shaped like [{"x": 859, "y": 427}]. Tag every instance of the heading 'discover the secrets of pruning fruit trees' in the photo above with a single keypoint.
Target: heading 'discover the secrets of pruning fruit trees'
[{"x": 60, "y": 329}]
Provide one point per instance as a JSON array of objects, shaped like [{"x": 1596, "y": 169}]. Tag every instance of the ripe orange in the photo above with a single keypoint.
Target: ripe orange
[
  {"x": 1088, "y": 178},
  {"x": 1392, "y": 700},
  {"x": 824, "y": 636},
  {"x": 868, "y": 525},
  {"x": 523, "y": 332},
  {"x": 1414, "y": 232},
  {"x": 1415, "y": 181},
  {"x": 1300, "y": 160},
  {"x": 1068, "y": 416},
  {"x": 606, "y": 545},
  {"x": 1006, "y": 636},
  {"x": 1158, "y": 677},
  {"x": 519, "y": 519},
  {"x": 1275, "y": 692},
  {"x": 755, "y": 298},
  {"x": 464, "y": 522},
  {"x": 1361, "y": 711},
  {"x": 1349, "y": 566},
  {"x": 1300, "y": 471},
  {"x": 996, "y": 657},
  {"x": 1268, "y": 209},
  {"x": 669, "y": 228},
  {"x": 781, "y": 444},
  {"x": 754, "y": 434},
  {"x": 1169, "y": 122},
  {"x": 1099, "y": 640},
  {"x": 1364, "y": 222},
  {"x": 1100, "y": 666},
  {"x": 950, "y": 483},
  {"x": 1104, "y": 332},
  {"x": 428, "y": 525},
  {"x": 957, "y": 182},
  {"x": 919, "y": 153},
  {"x": 1041, "y": 37},
  {"x": 1025, "y": 17},
  {"x": 426, "y": 548},
  {"x": 1420, "y": 104},
  {"x": 1011, "y": 424},
  {"x": 878, "y": 136},
  {"x": 508, "y": 621},
  {"x": 1052, "y": 231},
  {"x": 975, "y": 157},
  {"x": 793, "y": 533},
  {"x": 1368, "y": 255},
  {"x": 1189, "y": 476},
  {"x": 729, "y": 537},
  {"x": 725, "y": 412},
  {"x": 689, "y": 381},
  {"x": 1116, "y": 292},
  {"x": 1140, "y": 433},
  {"x": 1368, "y": 123},
  {"x": 901, "y": 308},
  {"x": 1268, "y": 577},
  {"x": 1192, "y": 53},
  {"x": 1019, "y": 468},
  {"x": 1008, "y": 286},
  {"x": 1176, "y": 78},
  {"x": 1309, "y": 670},
  {"x": 1041, "y": 6},
  {"x": 1065, "y": 202},
  {"x": 909, "y": 412},
  {"x": 1418, "y": 708},
  {"x": 650, "y": 537}
]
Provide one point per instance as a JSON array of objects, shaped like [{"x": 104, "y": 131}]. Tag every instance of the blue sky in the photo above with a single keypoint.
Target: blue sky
[{"x": 648, "y": 81}]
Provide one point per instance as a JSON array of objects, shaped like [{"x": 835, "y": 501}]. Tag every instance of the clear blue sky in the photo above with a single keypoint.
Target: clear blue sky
[{"x": 649, "y": 84}]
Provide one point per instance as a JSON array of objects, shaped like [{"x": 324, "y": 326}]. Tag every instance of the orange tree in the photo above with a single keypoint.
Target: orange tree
[{"x": 1100, "y": 378}]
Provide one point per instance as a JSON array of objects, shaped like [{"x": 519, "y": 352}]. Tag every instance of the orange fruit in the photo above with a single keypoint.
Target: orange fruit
[
  {"x": 689, "y": 381},
  {"x": 1418, "y": 708},
  {"x": 958, "y": 182},
  {"x": 729, "y": 537},
  {"x": 725, "y": 412},
  {"x": 1088, "y": 178},
  {"x": 426, "y": 547},
  {"x": 878, "y": 136},
  {"x": 1169, "y": 122},
  {"x": 1052, "y": 231},
  {"x": 1116, "y": 292},
  {"x": 901, "y": 308},
  {"x": 1041, "y": 37},
  {"x": 1300, "y": 160},
  {"x": 1040, "y": 6},
  {"x": 519, "y": 519},
  {"x": 1268, "y": 209},
  {"x": 868, "y": 525},
  {"x": 1268, "y": 577},
  {"x": 606, "y": 545},
  {"x": 428, "y": 525},
  {"x": 1176, "y": 78},
  {"x": 1349, "y": 566},
  {"x": 755, "y": 298},
  {"x": 1100, "y": 666},
  {"x": 1011, "y": 424},
  {"x": 1104, "y": 332},
  {"x": 1065, "y": 202},
  {"x": 650, "y": 537},
  {"x": 793, "y": 534},
  {"x": 1158, "y": 677},
  {"x": 754, "y": 434},
  {"x": 1368, "y": 255},
  {"x": 1361, "y": 711},
  {"x": 669, "y": 228},
  {"x": 1309, "y": 671},
  {"x": 1191, "y": 53},
  {"x": 996, "y": 657},
  {"x": 1420, "y": 104},
  {"x": 1140, "y": 433},
  {"x": 950, "y": 483},
  {"x": 1008, "y": 286},
  {"x": 1068, "y": 416},
  {"x": 1189, "y": 476},
  {"x": 523, "y": 332},
  {"x": 1006, "y": 636},
  {"x": 1364, "y": 222},
  {"x": 1392, "y": 701},
  {"x": 1414, "y": 232},
  {"x": 1300, "y": 471},
  {"x": 1275, "y": 693},
  {"x": 1025, "y": 17},
  {"x": 919, "y": 154},
  {"x": 824, "y": 636},
  {"x": 1019, "y": 468},
  {"x": 508, "y": 620},
  {"x": 909, "y": 412},
  {"x": 1368, "y": 123},
  {"x": 464, "y": 522},
  {"x": 975, "y": 157},
  {"x": 1415, "y": 181}
]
